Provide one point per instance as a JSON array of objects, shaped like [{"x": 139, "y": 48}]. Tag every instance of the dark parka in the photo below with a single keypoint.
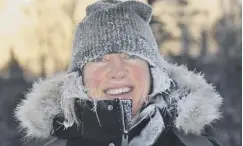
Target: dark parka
[{"x": 176, "y": 117}]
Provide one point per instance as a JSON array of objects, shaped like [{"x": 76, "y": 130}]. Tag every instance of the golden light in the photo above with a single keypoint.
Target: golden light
[{"x": 37, "y": 28}]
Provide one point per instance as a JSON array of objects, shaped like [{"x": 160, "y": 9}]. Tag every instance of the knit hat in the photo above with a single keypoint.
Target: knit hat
[{"x": 113, "y": 26}]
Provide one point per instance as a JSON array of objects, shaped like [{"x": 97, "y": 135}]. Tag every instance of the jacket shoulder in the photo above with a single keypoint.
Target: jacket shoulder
[
  {"x": 192, "y": 140},
  {"x": 213, "y": 141}
]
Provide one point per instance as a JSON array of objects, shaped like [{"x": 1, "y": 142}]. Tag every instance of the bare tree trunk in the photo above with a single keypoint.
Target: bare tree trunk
[
  {"x": 43, "y": 66},
  {"x": 204, "y": 43},
  {"x": 150, "y": 2},
  {"x": 185, "y": 39}
]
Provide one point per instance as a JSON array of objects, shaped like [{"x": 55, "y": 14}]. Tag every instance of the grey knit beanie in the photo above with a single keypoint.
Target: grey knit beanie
[{"x": 113, "y": 26}]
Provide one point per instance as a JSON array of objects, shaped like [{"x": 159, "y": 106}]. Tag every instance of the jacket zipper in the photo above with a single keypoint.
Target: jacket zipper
[{"x": 125, "y": 128}]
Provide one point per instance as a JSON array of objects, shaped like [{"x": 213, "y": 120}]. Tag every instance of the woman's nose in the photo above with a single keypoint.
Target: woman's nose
[{"x": 117, "y": 68}]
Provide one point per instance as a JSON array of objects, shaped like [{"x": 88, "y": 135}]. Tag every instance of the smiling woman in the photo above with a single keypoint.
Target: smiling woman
[
  {"x": 118, "y": 90},
  {"x": 118, "y": 76}
]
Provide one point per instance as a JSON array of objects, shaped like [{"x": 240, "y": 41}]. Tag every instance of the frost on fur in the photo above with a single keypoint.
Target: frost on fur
[
  {"x": 35, "y": 113},
  {"x": 201, "y": 105}
]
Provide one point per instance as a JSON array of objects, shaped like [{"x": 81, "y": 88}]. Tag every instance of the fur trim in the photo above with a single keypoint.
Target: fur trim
[
  {"x": 196, "y": 110},
  {"x": 35, "y": 113}
]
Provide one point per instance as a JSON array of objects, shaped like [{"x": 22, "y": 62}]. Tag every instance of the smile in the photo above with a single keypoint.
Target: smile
[{"x": 118, "y": 91}]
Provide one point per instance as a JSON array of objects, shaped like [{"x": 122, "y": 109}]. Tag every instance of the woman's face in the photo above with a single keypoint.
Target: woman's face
[{"x": 118, "y": 76}]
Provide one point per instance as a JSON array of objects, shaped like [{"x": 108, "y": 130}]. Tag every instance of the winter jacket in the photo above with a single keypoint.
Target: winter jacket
[{"x": 174, "y": 118}]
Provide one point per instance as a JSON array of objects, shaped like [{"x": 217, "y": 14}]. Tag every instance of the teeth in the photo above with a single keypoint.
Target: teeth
[{"x": 118, "y": 91}]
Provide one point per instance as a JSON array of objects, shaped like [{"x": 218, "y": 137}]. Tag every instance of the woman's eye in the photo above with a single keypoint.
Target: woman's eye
[
  {"x": 131, "y": 57},
  {"x": 99, "y": 59}
]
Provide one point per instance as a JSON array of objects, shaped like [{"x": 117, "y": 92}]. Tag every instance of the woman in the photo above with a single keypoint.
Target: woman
[{"x": 118, "y": 90}]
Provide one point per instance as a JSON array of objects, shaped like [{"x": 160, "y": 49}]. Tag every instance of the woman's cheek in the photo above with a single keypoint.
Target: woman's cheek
[
  {"x": 141, "y": 77},
  {"x": 139, "y": 73},
  {"x": 93, "y": 81}
]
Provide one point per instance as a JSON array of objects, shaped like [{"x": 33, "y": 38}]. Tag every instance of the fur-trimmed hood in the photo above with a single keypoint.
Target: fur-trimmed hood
[{"x": 195, "y": 110}]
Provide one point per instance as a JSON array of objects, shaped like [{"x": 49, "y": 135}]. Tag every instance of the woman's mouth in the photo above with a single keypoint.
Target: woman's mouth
[
  {"x": 118, "y": 91},
  {"x": 123, "y": 92}
]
